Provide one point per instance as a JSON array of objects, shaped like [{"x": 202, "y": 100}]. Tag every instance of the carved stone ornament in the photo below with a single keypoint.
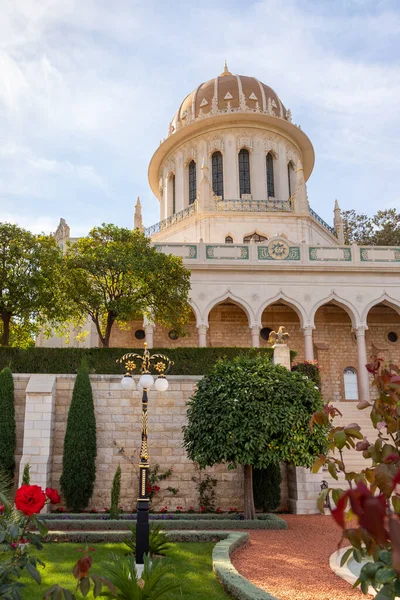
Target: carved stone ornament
[
  {"x": 189, "y": 154},
  {"x": 270, "y": 143},
  {"x": 202, "y": 296},
  {"x": 255, "y": 297},
  {"x": 292, "y": 156},
  {"x": 62, "y": 231},
  {"x": 215, "y": 145},
  {"x": 169, "y": 166},
  {"x": 244, "y": 141},
  {"x": 307, "y": 298}
]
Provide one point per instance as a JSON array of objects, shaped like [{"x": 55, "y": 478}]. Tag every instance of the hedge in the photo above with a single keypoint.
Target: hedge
[
  {"x": 97, "y": 537},
  {"x": 187, "y": 361},
  {"x": 233, "y": 583},
  {"x": 78, "y": 517},
  {"x": 185, "y": 524}
]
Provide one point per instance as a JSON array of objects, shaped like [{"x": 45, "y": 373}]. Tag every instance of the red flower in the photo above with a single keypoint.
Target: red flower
[
  {"x": 218, "y": 510},
  {"x": 53, "y": 496},
  {"x": 30, "y": 499},
  {"x": 1, "y": 508},
  {"x": 202, "y": 508},
  {"x": 156, "y": 488},
  {"x": 149, "y": 488}
]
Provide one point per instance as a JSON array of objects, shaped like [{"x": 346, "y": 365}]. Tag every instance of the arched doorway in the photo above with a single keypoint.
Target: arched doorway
[
  {"x": 335, "y": 348},
  {"x": 383, "y": 334},
  {"x": 228, "y": 325}
]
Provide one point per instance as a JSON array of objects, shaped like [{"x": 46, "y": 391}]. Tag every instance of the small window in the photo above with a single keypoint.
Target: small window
[
  {"x": 244, "y": 172},
  {"x": 256, "y": 237},
  {"x": 218, "y": 174},
  {"x": 392, "y": 337},
  {"x": 140, "y": 334},
  {"x": 350, "y": 384},
  {"x": 265, "y": 331},
  {"x": 229, "y": 239},
  {"x": 173, "y": 334},
  {"x": 289, "y": 174},
  {"x": 270, "y": 175},
  {"x": 192, "y": 182}
]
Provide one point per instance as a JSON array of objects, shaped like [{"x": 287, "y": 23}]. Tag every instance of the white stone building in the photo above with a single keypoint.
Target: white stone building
[{"x": 231, "y": 181}]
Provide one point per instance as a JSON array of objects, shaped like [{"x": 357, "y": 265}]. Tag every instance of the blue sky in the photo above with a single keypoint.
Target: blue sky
[{"x": 88, "y": 87}]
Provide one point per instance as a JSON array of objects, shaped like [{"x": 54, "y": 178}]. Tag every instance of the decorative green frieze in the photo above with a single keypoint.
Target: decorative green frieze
[
  {"x": 227, "y": 252},
  {"x": 380, "y": 254},
  {"x": 329, "y": 253},
  {"x": 278, "y": 250}
]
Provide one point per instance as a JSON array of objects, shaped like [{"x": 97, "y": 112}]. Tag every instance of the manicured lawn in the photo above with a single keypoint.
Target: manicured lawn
[{"x": 190, "y": 566}]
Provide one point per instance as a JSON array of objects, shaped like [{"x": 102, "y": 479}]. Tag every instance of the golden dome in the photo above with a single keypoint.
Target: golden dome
[{"x": 228, "y": 93}]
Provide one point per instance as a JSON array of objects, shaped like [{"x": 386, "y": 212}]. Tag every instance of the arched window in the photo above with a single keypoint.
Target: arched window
[
  {"x": 218, "y": 174},
  {"x": 192, "y": 182},
  {"x": 289, "y": 176},
  {"x": 350, "y": 384},
  {"x": 244, "y": 172},
  {"x": 270, "y": 175},
  {"x": 229, "y": 239},
  {"x": 254, "y": 236},
  {"x": 173, "y": 195}
]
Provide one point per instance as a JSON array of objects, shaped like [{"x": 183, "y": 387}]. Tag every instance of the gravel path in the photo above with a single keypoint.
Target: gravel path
[{"x": 294, "y": 564}]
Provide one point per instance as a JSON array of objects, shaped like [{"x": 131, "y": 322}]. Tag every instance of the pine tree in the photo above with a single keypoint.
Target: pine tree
[
  {"x": 79, "y": 457},
  {"x": 7, "y": 422},
  {"x": 115, "y": 494},
  {"x": 26, "y": 475}
]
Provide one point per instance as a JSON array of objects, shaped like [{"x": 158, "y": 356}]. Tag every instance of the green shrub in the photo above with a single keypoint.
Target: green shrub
[
  {"x": 115, "y": 495},
  {"x": 158, "y": 540},
  {"x": 187, "y": 361},
  {"x": 7, "y": 422},
  {"x": 79, "y": 457},
  {"x": 309, "y": 368},
  {"x": 26, "y": 475},
  {"x": 267, "y": 487}
]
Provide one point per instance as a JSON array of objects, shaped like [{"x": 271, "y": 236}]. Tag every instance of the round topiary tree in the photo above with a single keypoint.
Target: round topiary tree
[
  {"x": 249, "y": 412},
  {"x": 79, "y": 457},
  {"x": 7, "y": 422}
]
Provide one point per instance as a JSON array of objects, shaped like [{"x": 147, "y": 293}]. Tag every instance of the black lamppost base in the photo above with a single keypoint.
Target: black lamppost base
[{"x": 142, "y": 531}]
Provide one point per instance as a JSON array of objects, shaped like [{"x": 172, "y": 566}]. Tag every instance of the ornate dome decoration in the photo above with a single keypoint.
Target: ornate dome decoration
[{"x": 228, "y": 94}]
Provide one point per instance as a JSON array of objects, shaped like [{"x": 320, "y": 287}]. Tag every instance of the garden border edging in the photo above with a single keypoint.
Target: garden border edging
[{"x": 233, "y": 583}]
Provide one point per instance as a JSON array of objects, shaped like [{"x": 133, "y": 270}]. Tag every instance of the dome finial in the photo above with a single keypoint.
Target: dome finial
[{"x": 226, "y": 71}]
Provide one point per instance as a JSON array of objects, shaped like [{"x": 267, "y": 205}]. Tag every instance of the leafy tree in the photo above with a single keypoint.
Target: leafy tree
[
  {"x": 115, "y": 495},
  {"x": 114, "y": 274},
  {"x": 79, "y": 457},
  {"x": 383, "y": 229},
  {"x": 251, "y": 413},
  {"x": 30, "y": 274},
  {"x": 267, "y": 487},
  {"x": 7, "y": 422}
]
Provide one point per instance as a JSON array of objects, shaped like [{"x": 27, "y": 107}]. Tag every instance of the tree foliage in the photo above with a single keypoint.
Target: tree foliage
[
  {"x": 114, "y": 274},
  {"x": 30, "y": 275},
  {"x": 382, "y": 229},
  {"x": 249, "y": 412},
  {"x": 7, "y": 422},
  {"x": 79, "y": 456},
  {"x": 368, "y": 510},
  {"x": 115, "y": 495}
]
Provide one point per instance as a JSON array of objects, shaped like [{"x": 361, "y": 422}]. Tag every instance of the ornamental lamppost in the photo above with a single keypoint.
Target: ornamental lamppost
[{"x": 146, "y": 363}]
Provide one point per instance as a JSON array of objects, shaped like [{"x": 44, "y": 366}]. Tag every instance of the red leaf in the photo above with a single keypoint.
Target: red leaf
[
  {"x": 338, "y": 512},
  {"x": 394, "y": 529}
]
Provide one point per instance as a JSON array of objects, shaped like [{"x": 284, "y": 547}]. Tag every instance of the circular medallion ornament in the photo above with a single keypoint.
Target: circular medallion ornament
[{"x": 278, "y": 249}]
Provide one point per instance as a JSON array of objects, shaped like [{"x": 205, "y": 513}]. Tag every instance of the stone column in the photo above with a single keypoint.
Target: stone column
[
  {"x": 363, "y": 378},
  {"x": 258, "y": 172},
  {"x": 283, "y": 184},
  {"x": 281, "y": 355},
  {"x": 308, "y": 343},
  {"x": 149, "y": 331},
  {"x": 179, "y": 181},
  {"x": 231, "y": 178},
  {"x": 255, "y": 336},
  {"x": 38, "y": 429},
  {"x": 202, "y": 333}
]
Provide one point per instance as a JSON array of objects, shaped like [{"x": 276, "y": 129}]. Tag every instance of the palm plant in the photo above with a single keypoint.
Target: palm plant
[
  {"x": 158, "y": 541},
  {"x": 151, "y": 586}
]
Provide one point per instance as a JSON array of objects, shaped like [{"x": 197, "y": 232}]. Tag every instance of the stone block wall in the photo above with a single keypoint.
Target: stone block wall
[
  {"x": 20, "y": 384},
  {"x": 118, "y": 418}
]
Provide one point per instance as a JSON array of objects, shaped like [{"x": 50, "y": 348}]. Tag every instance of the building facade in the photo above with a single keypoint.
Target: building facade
[{"x": 231, "y": 182}]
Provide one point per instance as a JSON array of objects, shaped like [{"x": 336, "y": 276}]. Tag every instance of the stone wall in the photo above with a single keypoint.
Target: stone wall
[
  {"x": 119, "y": 425},
  {"x": 20, "y": 384}
]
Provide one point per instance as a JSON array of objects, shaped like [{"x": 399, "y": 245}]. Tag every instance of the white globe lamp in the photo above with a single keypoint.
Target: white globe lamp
[
  {"x": 161, "y": 384},
  {"x": 127, "y": 383},
  {"x": 146, "y": 381}
]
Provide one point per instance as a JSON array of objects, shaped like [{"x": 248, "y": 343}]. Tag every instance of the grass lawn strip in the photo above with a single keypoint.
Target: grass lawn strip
[{"x": 191, "y": 565}]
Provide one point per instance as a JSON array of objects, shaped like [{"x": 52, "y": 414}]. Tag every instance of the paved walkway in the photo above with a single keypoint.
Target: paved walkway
[{"x": 294, "y": 564}]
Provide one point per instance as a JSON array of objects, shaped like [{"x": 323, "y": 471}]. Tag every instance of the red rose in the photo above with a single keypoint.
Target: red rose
[
  {"x": 53, "y": 495},
  {"x": 30, "y": 499}
]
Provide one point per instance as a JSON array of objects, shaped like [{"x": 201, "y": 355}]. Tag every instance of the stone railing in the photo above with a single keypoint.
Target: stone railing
[
  {"x": 277, "y": 251},
  {"x": 322, "y": 222},
  {"x": 246, "y": 205},
  {"x": 176, "y": 218}
]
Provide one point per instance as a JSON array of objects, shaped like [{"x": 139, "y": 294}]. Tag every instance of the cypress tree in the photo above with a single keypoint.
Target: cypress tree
[
  {"x": 7, "y": 422},
  {"x": 115, "y": 495},
  {"x": 79, "y": 457},
  {"x": 26, "y": 475}
]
